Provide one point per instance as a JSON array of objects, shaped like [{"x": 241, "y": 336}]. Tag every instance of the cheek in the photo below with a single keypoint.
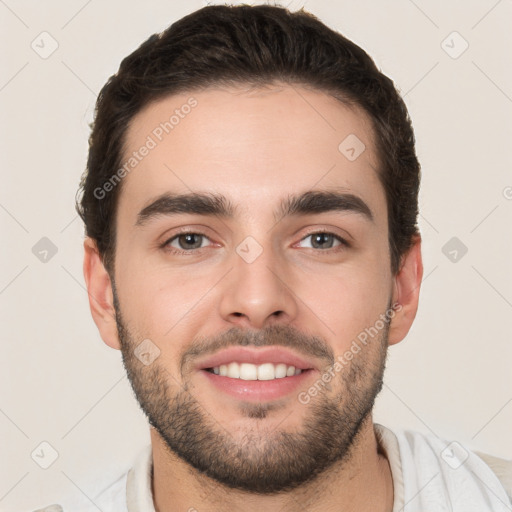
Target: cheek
[
  {"x": 348, "y": 302},
  {"x": 160, "y": 302}
]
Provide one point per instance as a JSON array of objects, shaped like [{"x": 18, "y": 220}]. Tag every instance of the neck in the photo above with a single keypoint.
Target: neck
[{"x": 362, "y": 483}]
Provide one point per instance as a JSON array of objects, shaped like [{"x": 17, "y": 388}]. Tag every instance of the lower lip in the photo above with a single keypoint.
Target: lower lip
[{"x": 258, "y": 390}]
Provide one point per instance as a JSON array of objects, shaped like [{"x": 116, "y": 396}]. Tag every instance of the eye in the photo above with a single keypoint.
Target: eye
[
  {"x": 324, "y": 240},
  {"x": 186, "y": 242}
]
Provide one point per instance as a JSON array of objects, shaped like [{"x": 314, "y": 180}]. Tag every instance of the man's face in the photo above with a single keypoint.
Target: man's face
[{"x": 258, "y": 280}]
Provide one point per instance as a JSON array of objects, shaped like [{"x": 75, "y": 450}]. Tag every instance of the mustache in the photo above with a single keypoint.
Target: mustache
[{"x": 282, "y": 335}]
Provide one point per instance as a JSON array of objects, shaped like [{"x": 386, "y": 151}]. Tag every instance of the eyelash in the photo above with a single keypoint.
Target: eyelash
[{"x": 166, "y": 247}]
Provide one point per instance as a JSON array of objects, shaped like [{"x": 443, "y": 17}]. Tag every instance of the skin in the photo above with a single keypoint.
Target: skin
[{"x": 256, "y": 146}]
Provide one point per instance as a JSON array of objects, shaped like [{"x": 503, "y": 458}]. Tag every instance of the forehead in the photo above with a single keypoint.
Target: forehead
[{"x": 249, "y": 145}]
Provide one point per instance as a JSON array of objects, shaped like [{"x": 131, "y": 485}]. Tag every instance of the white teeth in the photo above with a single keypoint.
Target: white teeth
[
  {"x": 280, "y": 371},
  {"x": 266, "y": 371},
  {"x": 247, "y": 371},
  {"x": 233, "y": 370}
]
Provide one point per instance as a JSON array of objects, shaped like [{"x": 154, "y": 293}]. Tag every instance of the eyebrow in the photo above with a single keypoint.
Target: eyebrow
[{"x": 212, "y": 204}]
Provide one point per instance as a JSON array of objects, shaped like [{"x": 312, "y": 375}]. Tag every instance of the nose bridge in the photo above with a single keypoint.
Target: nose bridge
[{"x": 255, "y": 293}]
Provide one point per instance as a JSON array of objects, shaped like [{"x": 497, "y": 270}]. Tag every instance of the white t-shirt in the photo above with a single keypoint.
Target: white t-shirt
[{"x": 429, "y": 475}]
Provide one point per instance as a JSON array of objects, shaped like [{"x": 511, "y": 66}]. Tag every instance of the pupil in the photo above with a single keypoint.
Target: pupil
[
  {"x": 189, "y": 239},
  {"x": 320, "y": 238}
]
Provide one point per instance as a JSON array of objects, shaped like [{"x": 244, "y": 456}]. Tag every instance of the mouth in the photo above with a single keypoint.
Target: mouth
[
  {"x": 257, "y": 375},
  {"x": 248, "y": 371}
]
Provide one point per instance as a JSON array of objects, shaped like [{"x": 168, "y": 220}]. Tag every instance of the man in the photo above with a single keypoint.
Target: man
[{"x": 250, "y": 204}]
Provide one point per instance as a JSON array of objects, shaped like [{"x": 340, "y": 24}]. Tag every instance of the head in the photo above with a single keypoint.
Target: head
[{"x": 252, "y": 182}]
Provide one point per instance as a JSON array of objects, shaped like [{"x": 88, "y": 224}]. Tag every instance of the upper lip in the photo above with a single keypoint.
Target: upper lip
[{"x": 256, "y": 356}]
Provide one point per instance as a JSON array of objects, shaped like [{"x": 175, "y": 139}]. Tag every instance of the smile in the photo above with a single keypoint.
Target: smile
[{"x": 248, "y": 371}]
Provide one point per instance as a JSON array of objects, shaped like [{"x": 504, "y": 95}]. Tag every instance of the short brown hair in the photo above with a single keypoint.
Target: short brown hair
[{"x": 254, "y": 45}]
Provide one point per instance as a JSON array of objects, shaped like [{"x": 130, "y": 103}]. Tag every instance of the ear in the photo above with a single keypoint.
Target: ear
[
  {"x": 406, "y": 291},
  {"x": 101, "y": 298}
]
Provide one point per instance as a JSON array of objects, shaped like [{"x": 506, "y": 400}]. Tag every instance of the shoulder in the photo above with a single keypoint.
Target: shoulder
[
  {"x": 456, "y": 455},
  {"x": 112, "y": 498},
  {"x": 107, "y": 496},
  {"x": 502, "y": 468},
  {"x": 441, "y": 471},
  {"x": 133, "y": 486}
]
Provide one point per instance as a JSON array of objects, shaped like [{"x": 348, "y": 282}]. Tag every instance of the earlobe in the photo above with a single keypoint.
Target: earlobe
[
  {"x": 101, "y": 298},
  {"x": 406, "y": 290}
]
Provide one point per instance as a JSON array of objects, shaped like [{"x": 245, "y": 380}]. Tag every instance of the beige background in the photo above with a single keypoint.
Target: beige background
[{"x": 61, "y": 384}]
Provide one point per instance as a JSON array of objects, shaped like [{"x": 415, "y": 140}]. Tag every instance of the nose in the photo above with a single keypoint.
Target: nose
[{"x": 256, "y": 293}]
